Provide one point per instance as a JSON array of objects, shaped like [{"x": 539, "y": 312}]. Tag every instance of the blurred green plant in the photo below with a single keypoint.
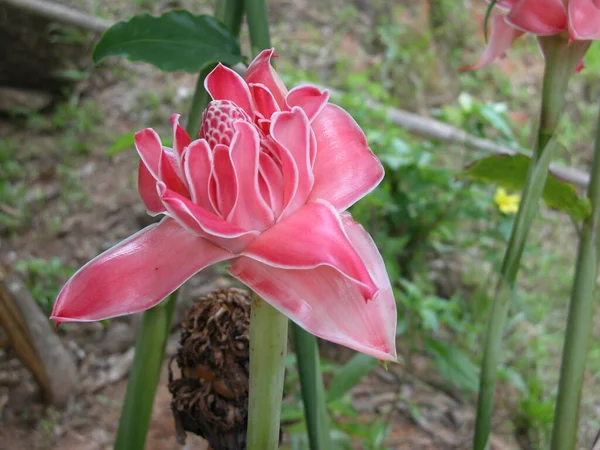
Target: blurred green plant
[{"x": 44, "y": 278}]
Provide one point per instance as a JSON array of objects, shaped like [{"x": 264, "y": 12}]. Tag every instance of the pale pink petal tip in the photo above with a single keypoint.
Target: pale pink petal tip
[{"x": 502, "y": 37}]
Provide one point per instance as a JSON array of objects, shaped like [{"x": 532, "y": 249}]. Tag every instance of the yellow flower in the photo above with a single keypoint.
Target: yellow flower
[{"x": 507, "y": 204}]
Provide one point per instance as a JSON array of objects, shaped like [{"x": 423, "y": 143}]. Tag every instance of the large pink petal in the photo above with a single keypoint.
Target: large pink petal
[
  {"x": 345, "y": 168},
  {"x": 197, "y": 168},
  {"x": 260, "y": 71},
  {"x": 180, "y": 137},
  {"x": 225, "y": 84},
  {"x": 326, "y": 304},
  {"x": 584, "y": 19},
  {"x": 291, "y": 130},
  {"x": 147, "y": 189},
  {"x": 540, "y": 17},
  {"x": 149, "y": 147},
  {"x": 136, "y": 274},
  {"x": 251, "y": 211},
  {"x": 312, "y": 237},
  {"x": 310, "y": 98},
  {"x": 501, "y": 39},
  {"x": 329, "y": 304}
]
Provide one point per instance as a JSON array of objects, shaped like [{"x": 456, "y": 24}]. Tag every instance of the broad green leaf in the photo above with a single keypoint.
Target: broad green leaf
[
  {"x": 177, "y": 40},
  {"x": 348, "y": 375},
  {"x": 453, "y": 364},
  {"x": 510, "y": 172}
]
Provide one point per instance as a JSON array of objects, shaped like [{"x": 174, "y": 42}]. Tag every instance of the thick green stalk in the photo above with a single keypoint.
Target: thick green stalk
[
  {"x": 579, "y": 324},
  {"x": 145, "y": 373},
  {"x": 156, "y": 322},
  {"x": 268, "y": 344},
  {"x": 313, "y": 391},
  {"x": 230, "y": 12},
  {"x": 199, "y": 102},
  {"x": 258, "y": 25},
  {"x": 561, "y": 60}
]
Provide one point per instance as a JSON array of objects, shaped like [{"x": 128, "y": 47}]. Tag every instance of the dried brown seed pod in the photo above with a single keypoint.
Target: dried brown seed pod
[{"x": 210, "y": 398}]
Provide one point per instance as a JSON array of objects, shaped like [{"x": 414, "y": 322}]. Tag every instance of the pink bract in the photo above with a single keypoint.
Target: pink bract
[
  {"x": 578, "y": 20},
  {"x": 265, "y": 186}
]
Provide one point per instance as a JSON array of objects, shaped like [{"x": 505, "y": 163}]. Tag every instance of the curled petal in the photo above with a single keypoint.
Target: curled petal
[
  {"x": 328, "y": 304},
  {"x": 168, "y": 174},
  {"x": 310, "y": 98},
  {"x": 345, "y": 169},
  {"x": 197, "y": 167},
  {"x": 194, "y": 218},
  {"x": 251, "y": 211},
  {"x": 180, "y": 137},
  {"x": 292, "y": 131},
  {"x": 199, "y": 222},
  {"x": 584, "y": 19},
  {"x": 260, "y": 71},
  {"x": 272, "y": 180},
  {"x": 264, "y": 100},
  {"x": 136, "y": 274},
  {"x": 149, "y": 147},
  {"x": 540, "y": 17},
  {"x": 313, "y": 236},
  {"x": 225, "y": 190},
  {"x": 225, "y": 84},
  {"x": 147, "y": 190},
  {"x": 501, "y": 39}
]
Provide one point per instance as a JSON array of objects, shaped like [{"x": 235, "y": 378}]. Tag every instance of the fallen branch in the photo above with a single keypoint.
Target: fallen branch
[
  {"x": 434, "y": 129},
  {"x": 34, "y": 341},
  {"x": 419, "y": 125},
  {"x": 62, "y": 14}
]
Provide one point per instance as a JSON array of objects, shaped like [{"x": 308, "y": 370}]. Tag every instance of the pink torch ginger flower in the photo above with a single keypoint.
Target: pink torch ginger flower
[
  {"x": 265, "y": 186},
  {"x": 578, "y": 20}
]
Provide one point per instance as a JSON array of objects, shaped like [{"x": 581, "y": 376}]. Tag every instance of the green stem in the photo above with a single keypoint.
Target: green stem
[
  {"x": 156, "y": 322},
  {"x": 230, "y": 12},
  {"x": 313, "y": 391},
  {"x": 145, "y": 373},
  {"x": 268, "y": 343},
  {"x": 258, "y": 25},
  {"x": 580, "y": 321},
  {"x": 199, "y": 101},
  {"x": 561, "y": 60}
]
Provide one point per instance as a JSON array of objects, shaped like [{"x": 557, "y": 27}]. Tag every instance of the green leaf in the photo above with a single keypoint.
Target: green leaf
[
  {"x": 453, "y": 364},
  {"x": 347, "y": 376},
  {"x": 510, "y": 172},
  {"x": 123, "y": 142},
  {"x": 177, "y": 40},
  {"x": 126, "y": 142}
]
